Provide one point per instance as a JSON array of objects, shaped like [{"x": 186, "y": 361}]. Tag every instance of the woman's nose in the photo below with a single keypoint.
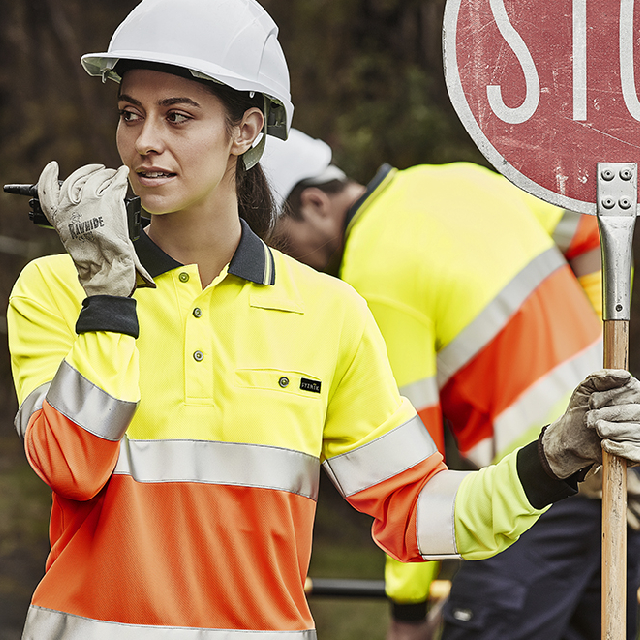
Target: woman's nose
[{"x": 150, "y": 139}]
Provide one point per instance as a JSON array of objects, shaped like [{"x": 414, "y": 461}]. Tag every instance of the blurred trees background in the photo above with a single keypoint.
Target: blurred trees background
[{"x": 366, "y": 76}]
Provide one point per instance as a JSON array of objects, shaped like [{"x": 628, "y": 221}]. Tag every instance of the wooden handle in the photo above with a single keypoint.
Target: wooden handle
[{"x": 614, "y": 505}]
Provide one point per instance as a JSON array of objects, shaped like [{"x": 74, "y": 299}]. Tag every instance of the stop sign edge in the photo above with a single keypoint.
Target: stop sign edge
[{"x": 465, "y": 114}]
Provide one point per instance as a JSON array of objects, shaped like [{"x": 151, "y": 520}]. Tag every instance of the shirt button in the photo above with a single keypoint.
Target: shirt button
[
  {"x": 198, "y": 356},
  {"x": 283, "y": 382},
  {"x": 197, "y": 312},
  {"x": 183, "y": 277}
]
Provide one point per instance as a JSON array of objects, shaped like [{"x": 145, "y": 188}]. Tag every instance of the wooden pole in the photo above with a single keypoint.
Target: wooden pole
[
  {"x": 614, "y": 505},
  {"x": 617, "y": 199}
]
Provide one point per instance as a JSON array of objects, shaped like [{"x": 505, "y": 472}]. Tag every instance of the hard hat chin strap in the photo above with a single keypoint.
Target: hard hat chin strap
[{"x": 251, "y": 157}]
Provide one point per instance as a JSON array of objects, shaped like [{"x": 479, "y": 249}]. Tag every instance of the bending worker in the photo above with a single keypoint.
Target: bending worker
[
  {"x": 486, "y": 323},
  {"x": 179, "y": 394}
]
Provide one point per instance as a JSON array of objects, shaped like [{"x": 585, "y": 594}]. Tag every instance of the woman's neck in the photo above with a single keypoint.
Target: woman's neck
[{"x": 208, "y": 241}]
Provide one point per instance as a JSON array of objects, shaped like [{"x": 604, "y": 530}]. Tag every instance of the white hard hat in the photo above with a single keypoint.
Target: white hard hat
[
  {"x": 299, "y": 158},
  {"x": 233, "y": 42}
]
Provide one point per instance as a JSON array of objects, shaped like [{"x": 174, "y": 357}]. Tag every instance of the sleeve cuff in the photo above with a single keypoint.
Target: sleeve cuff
[
  {"x": 415, "y": 612},
  {"x": 115, "y": 314},
  {"x": 539, "y": 487}
]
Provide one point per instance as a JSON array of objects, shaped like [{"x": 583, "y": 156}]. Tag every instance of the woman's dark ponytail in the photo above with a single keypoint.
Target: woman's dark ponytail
[{"x": 255, "y": 202}]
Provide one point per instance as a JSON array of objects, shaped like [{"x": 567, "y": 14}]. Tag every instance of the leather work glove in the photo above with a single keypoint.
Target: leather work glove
[
  {"x": 603, "y": 413},
  {"x": 89, "y": 214}
]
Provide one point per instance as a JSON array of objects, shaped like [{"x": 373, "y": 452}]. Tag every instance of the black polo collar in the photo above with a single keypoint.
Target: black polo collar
[
  {"x": 378, "y": 179},
  {"x": 385, "y": 173},
  {"x": 252, "y": 261}
]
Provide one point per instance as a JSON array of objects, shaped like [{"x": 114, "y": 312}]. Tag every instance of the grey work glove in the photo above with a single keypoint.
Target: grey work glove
[
  {"x": 90, "y": 216},
  {"x": 603, "y": 413}
]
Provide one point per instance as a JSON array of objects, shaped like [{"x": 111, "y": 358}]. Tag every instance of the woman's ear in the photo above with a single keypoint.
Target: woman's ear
[{"x": 247, "y": 131}]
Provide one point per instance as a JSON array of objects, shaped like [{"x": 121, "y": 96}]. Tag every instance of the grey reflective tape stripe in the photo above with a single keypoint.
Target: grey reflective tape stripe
[
  {"x": 230, "y": 463},
  {"x": 483, "y": 453},
  {"x": 422, "y": 393},
  {"x": 495, "y": 316},
  {"x": 32, "y": 403},
  {"x": 54, "y": 625},
  {"x": 534, "y": 404},
  {"x": 88, "y": 406},
  {"x": 566, "y": 229},
  {"x": 435, "y": 515},
  {"x": 380, "y": 459}
]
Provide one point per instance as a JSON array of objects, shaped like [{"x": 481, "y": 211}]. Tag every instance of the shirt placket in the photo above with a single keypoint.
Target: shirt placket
[{"x": 194, "y": 306}]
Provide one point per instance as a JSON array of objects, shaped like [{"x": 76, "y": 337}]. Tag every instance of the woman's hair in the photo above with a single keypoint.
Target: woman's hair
[{"x": 255, "y": 201}]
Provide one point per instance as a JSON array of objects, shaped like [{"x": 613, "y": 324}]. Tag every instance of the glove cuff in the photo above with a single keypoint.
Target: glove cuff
[
  {"x": 543, "y": 459},
  {"x": 573, "y": 479},
  {"x": 539, "y": 486},
  {"x": 115, "y": 314}
]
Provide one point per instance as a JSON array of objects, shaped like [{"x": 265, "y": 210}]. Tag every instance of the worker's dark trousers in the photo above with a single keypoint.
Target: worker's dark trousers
[{"x": 546, "y": 586}]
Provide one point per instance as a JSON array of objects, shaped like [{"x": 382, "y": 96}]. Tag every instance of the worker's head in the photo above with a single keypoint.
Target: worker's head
[
  {"x": 208, "y": 51},
  {"x": 312, "y": 196}
]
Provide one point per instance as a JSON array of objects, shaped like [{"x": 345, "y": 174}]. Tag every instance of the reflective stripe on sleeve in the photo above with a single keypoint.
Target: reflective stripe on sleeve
[
  {"x": 566, "y": 229},
  {"x": 54, "y": 625},
  {"x": 422, "y": 393},
  {"x": 32, "y": 403},
  {"x": 88, "y": 406},
  {"x": 400, "y": 449},
  {"x": 495, "y": 316},
  {"x": 435, "y": 515},
  {"x": 229, "y": 463}
]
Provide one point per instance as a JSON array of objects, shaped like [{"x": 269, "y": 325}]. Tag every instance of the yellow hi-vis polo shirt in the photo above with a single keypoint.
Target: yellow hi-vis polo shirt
[{"x": 182, "y": 432}]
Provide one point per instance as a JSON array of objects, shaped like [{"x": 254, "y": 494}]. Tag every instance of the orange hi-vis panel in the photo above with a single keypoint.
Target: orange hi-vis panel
[
  {"x": 485, "y": 324},
  {"x": 182, "y": 433}
]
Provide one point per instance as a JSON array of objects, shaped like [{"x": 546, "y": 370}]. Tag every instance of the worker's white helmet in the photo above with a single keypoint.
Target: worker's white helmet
[
  {"x": 233, "y": 42},
  {"x": 299, "y": 158}
]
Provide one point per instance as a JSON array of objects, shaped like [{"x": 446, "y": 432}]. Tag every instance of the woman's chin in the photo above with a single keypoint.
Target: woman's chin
[{"x": 155, "y": 208}]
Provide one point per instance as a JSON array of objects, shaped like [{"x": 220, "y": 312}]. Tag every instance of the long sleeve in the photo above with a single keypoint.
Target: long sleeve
[{"x": 77, "y": 392}]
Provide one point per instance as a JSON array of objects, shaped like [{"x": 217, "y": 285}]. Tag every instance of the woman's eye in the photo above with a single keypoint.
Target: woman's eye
[
  {"x": 128, "y": 116},
  {"x": 177, "y": 118}
]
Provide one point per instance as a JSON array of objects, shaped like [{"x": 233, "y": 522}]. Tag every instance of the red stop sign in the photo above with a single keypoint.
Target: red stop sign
[{"x": 547, "y": 89}]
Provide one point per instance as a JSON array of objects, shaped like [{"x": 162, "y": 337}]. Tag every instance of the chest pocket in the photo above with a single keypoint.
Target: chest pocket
[{"x": 283, "y": 408}]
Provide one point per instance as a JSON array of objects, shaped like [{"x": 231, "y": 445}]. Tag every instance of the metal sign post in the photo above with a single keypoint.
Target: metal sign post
[{"x": 548, "y": 105}]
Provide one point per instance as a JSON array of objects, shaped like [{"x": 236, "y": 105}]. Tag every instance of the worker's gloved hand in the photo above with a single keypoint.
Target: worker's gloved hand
[
  {"x": 603, "y": 413},
  {"x": 89, "y": 214}
]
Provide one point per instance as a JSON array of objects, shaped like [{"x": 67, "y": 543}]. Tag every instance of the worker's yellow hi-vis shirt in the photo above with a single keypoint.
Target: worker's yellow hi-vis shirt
[
  {"x": 182, "y": 433},
  {"x": 484, "y": 322}
]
